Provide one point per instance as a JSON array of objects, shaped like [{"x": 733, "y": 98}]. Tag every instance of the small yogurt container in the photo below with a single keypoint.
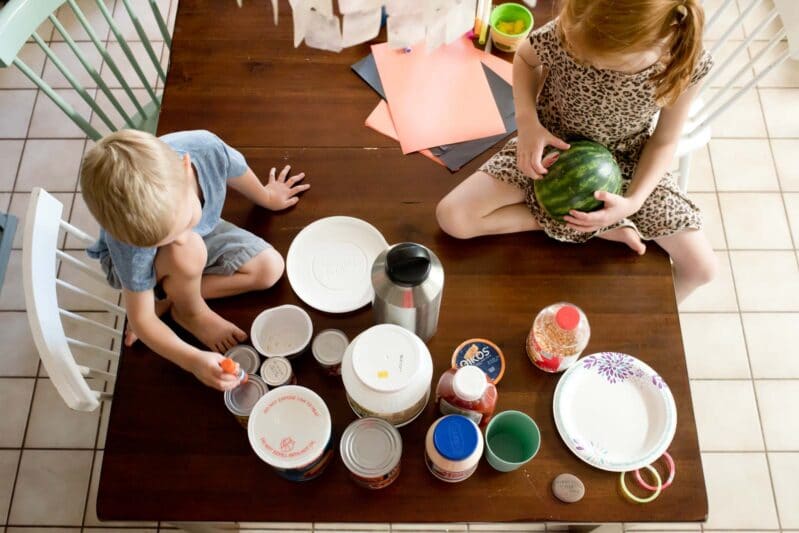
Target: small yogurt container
[
  {"x": 241, "y": 399},
  {"x": 371, "y": 449},
  {"x": 277, "y": 371},
  {"x": 291, "y": 431},
  {"x": 283, "y": 331},
  {"x": 483, "y": 354},
  {"x": 387, "y": 371},
  {"x": 246, "y": 356},
  {"x": 328, "y": 349},
  {"x": 453, "y": 448}
]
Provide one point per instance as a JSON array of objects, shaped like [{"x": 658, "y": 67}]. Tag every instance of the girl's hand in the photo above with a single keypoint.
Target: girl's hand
[
  {"x": 533, "y": 139},
  {"x": 282, "y": 190},
  {"x": 207, "y": 367},
  {"x": 616, "y": 208}
]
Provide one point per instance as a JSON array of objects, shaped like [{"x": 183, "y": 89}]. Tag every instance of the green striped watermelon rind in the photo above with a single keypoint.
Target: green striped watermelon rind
[{"x": 572, "y": 181}]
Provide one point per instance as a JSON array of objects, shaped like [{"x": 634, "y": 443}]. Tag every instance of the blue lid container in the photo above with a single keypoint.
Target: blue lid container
[{"x": 455, "y": 437}]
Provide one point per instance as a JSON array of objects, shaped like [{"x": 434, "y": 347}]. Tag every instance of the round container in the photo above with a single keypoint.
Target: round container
[
  {"x": 559, "y": 335},
  {"x": 290, "y": 430},
  {"x": 483, "y": 354},
  {"x": 512, "y": 439},
  {"x": 283, "y": 331},
  {"x": 371, "y": 449},
  {"x": 505, "y": 38},
  {"x": 277, "y": 372},
  {"x": 387, "y": 371},
  {"x": 328, "y": 349},
  {"x": 241, "y": 399},
  {"x": 246, "y": 356},
  {"x": 453, "y": 448}
]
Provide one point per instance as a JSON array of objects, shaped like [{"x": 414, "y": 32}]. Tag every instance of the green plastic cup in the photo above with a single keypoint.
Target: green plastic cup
[
  {"x": 510, "y": 12},
  {"x": 512, "y": 439}
]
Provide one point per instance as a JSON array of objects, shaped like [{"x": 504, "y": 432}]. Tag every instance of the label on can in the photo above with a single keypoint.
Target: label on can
[
  {"x": 378, "y": 482},
  {"x": 483, "y": 354},
  {"x": 449, "y": 409},
  {"x": 397, "y": 419}
]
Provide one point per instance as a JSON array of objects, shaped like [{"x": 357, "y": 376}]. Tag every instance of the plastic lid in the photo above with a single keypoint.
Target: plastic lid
[
  {"x": 386, "y": 357},
  {"x": 408, "y": 263},
  {"x": 469, "y": 383},
  {"x": 567, "y": 317},
  {"x": 329, "y": 346},
  {"x": 371, "y": 447},
  {"x": 455, "y": 437}
]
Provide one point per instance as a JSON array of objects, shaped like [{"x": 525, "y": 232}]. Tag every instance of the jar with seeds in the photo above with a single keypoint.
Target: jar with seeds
[{"x": 559, "y": 335}]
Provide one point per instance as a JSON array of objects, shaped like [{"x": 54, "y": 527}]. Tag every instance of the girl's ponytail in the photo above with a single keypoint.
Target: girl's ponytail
[{"x": 685, "y": 49}]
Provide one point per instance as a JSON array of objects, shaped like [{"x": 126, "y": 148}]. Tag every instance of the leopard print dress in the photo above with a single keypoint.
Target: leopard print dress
[{"x": 613, "y": 108}]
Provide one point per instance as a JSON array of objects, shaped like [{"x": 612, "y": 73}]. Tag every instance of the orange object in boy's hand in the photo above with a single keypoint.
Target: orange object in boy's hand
[{"x": 228, "y": 365}]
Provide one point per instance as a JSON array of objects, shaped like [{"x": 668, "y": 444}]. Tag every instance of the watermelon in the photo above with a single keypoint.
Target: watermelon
[{"x": 570, "y": 183}]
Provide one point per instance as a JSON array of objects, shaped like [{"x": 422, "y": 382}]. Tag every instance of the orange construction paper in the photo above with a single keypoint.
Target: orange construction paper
[
  {"x": 437, "y": 97},
  {"x": 380, "y": 121}
]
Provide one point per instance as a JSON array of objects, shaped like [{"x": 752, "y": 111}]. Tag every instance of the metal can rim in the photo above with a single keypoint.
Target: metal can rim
[
  {"x": 253, "y": 379},
  {"x": 392, "y": 457},
  {"x": 252, "y": 354},
  {"x": 285, "y": 365},
  {"x": 327, "y": 332}
]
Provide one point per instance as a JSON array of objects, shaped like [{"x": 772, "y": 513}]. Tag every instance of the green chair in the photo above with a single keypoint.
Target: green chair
[{"x": 19, "y": 20}]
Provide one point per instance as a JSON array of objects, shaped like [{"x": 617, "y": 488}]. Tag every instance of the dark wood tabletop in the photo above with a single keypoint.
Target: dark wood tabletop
[{"x": 174, "y": 453}]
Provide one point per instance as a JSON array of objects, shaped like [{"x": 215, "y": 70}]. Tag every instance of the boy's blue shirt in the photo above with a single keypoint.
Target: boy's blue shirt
[{"x": 215, "y": 163}]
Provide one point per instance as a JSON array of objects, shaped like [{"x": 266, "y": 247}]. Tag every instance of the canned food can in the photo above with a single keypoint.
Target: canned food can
[
  {"x": 328, "y": 349},
  {"x": 371, "y": 449},
  {"x": 277, "y": 372},
  {"x": 241, "y": 400},
  {"x": 246, "y": 356}
]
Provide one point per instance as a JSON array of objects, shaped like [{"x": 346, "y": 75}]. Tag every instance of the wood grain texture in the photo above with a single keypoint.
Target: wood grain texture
[{"x": 174, "y": 453}]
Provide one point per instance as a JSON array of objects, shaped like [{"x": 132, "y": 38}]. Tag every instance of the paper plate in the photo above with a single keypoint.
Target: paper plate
[
  {"x": 329, "y": 263},
  {"x": 614, "y": 412}
]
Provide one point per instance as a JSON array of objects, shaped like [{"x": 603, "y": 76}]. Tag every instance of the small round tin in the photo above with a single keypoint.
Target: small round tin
[
  {"x": 241, "y": 400},
  {"x": 483, "y": 354},
  {"x": 277, "y": 372},
  {"x": 246, "y": 356},
  {"x": 371, "y": 450},
  {"x": 328, "y": 349}
]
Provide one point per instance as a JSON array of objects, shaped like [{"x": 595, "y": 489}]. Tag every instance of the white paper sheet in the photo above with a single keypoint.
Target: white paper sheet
[
  {"x": 360, "y": 27},
  {"x": 404, "y": 31},
  {"x": 436, "y": 33},
  {"x": 404, "y": 7},
  {"x": 323, "y": 32},
  {"x": 300, "y": 12},
  {"x": 346, "y": 7},
  {"x": 460, "y": 19},
  {"x": 274, "y": 10}
]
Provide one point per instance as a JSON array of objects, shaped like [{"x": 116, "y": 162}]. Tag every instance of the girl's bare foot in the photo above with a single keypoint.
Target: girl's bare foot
[
  {"x": 161, "y": 307},
  {"x": 210, "y": 328},
  {"x": 626, "y": 235}
]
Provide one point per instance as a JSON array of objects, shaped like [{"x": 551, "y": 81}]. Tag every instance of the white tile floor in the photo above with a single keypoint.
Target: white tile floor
[{"x": 740, "y": 333}]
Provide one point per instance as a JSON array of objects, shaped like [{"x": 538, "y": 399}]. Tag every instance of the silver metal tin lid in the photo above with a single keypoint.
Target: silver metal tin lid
[
  {"x": 246, "y": 356},
  {"x": 243, "y": 398},
  {"x": 329, "y": 346},
  {"x": 371, "y": 447},
  {"x": 276, "y": 371}
]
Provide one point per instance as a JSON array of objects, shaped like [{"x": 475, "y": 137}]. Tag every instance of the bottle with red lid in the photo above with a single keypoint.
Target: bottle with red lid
[
  {"x": 559, "y": 335},
  {"x": 467, "y": 391}
]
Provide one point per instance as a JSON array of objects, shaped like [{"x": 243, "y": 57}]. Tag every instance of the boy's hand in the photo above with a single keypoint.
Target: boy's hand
[
  {"x": 206, "y": 367},
  {"x": 533, "y": 139},
  {"x": 282, "y": 190}
]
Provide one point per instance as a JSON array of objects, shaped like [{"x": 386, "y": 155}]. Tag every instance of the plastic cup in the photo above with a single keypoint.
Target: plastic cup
[
  {"x": 512, "y": 439},
  {"x": 510, "y": 12}
]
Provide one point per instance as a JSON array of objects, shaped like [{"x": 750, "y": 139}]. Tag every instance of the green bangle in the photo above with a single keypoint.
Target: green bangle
[{"x": 636, "y": 499}]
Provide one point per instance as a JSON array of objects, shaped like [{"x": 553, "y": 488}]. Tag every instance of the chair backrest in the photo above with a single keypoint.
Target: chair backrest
[
  {"x": 43, "y": 264},
  {"x": 19, "y": 20}
]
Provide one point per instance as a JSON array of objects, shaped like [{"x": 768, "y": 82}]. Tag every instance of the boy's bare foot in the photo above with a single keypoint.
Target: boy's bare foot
[
  {"x": 626, "y": 235},
  {"x": 210, "y": 328},
  {"x": 161, "y": 307}
]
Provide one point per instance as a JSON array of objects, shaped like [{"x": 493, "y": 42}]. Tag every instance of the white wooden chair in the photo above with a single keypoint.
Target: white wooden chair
[
  {"x": 706, "y": 109},
  {"x": 44, "y": 264}
]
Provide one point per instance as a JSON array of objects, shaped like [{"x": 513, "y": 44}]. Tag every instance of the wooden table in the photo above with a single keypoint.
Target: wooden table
[{"x": 173, "y": 452}]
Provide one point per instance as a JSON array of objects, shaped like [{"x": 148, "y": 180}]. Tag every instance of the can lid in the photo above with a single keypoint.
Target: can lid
[
  {"x": 329, "y": 346},
  {"x": 386, "y": 357},
  {"x": 276, "y": 371},
  {"x": 242, "y": 399},
  {"x": 469, "y": 383},
  {"x": 567, "y": 317},
  {"x": 455, "y": 437},
  {"x": 246, "y": 356},
  {"x": 483, "y": 354},
  {"x": 371, "y": 447}
]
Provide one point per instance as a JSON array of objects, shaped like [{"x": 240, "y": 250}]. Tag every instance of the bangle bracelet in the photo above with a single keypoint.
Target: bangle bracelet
[
  {"x": 635, "y": 498},
  {"x": 666, "y": 484}
]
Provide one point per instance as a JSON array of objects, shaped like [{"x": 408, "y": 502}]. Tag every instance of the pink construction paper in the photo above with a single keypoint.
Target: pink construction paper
[
  {"x": 380, "y": 121},
  {"x": 437, "y": 97}
]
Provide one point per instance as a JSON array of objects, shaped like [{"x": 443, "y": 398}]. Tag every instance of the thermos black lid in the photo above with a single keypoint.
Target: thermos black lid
[{"x": 408, "y": 263}]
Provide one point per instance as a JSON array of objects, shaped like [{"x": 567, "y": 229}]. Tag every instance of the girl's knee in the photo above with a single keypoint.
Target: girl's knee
[
  {"x": 707, "y": 270},
  {"x": 453, "y": 218}
]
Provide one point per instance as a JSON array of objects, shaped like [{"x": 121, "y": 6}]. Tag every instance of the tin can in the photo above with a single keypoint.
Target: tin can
[
  {"x": 241, "y": 400},
  {"x": 277, "y": 372},
  {"x": 453, "y": 448},
  {"x": 290, "y": 430},
  {"x": 246, "y": 356},
  {"x": 328, "y": 349},
  {"x": 371, "y": 450}
]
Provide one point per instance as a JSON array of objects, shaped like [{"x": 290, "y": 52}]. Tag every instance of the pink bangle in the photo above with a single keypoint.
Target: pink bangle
[{"x": 666, "y": 484}]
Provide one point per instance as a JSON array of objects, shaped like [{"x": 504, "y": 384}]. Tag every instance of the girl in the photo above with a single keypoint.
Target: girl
[{"x": 602, "y": 70}]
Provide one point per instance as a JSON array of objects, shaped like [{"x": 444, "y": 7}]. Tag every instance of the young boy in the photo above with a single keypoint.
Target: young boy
[{"x": 159, "y": 201}]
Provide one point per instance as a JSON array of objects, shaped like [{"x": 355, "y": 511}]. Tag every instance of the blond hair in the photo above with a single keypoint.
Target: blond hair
[
  {"x": 615, "y": 26},
  {"x": 130, "y": 181}
]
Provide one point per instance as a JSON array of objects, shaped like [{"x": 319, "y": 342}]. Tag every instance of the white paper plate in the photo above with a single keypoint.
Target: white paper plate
[
  {"x": 329, "y": 263},
  {"x": 614, "y": 412}
]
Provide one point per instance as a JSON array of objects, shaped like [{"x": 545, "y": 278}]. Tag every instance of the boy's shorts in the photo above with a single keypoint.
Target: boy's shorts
[{"x": 229, "y": 248}]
